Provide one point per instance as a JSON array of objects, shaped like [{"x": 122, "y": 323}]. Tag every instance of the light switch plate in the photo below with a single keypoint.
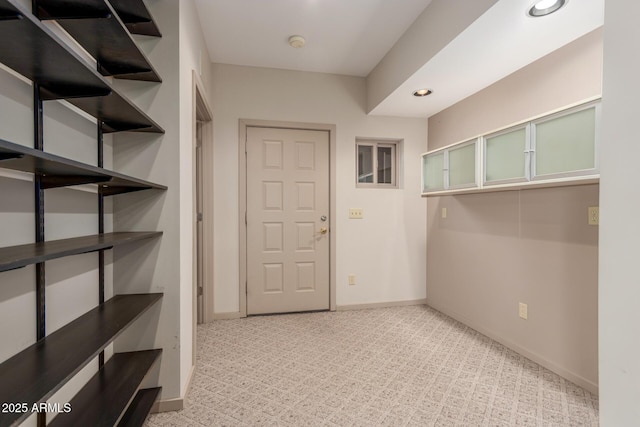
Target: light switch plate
[
  {"x": 523, "y": 310},
  {"x": 594, "y": 215},
  {"x": 444, "y": 213},
  {"x": 355, "y": 213}
]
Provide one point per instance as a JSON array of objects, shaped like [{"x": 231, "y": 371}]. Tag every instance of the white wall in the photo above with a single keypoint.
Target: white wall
[
  {"x": 619, "y": 290},
  {"x": 154, "y": 266},
  {"x": 386, "y": 250},
  {"x": 193, "y": 56},
  {"x": 168, "y": 160}
]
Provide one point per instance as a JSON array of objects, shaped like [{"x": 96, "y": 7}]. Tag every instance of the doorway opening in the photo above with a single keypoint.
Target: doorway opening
[{"x": 203, "y": 206}]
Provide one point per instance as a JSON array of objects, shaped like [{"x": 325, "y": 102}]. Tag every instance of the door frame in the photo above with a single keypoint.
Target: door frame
[
  {"x": 203, "y": 113},
  {"x": 242, "y": 199}
]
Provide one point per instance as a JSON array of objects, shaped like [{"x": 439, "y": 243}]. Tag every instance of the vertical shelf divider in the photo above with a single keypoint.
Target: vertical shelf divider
[
  {"x": 41, "y": 302},
  {"x": 100, "y": 229}
]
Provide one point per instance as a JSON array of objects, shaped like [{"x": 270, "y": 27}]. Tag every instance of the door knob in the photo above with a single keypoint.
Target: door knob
[{"x": 324, "y": 230}]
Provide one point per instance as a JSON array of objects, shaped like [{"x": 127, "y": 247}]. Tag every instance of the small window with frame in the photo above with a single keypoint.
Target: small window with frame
[{"x": 376, "y": 163}]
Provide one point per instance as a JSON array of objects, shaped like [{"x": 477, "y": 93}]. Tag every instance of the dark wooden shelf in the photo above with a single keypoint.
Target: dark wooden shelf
[
  {"x": 58, "y": 171},
  {"x": 103, "y": 401},
  {"x": 139, "y": 409},
  {"x": 36, "y": 373},
  {"x": 136, "y": 17},
  {"x": 13, "y": 257},
  {"x": 31, "y": 49},
  {"x": 96, "y": 26}
]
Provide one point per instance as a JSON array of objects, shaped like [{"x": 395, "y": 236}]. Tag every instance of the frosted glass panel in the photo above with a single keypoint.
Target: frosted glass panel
[
  {"x": 567, "y": 143},
  {"x": 505, "y": 156},
  {"x": 433, "y": 166},
  {"x": 462, "y": 166}
]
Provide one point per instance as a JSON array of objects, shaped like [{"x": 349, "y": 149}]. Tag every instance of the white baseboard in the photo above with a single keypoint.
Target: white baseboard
[
  {"x": 381, "y": 304},
  {"x": 563, "y": 372},
  {"x": 177, "y": 404},
  {"x": 168, "y": 405},
  {"x": 227, "y": 316}
]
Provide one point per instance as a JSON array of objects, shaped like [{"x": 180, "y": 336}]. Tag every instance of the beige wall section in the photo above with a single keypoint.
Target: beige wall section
[
  {"x": 568, "y": 75},
  {"x": 619, "y": 292},
  {"x": 386, "y": 249},
  {"x": 432, "y": 30},
  {"x": 532, "y": 246},
  {"x": 165, "y": 266},
  {"x": 166, "y": 159},
  {"x": 194, "y": 56},
  {"x": 496, "y": 250}
]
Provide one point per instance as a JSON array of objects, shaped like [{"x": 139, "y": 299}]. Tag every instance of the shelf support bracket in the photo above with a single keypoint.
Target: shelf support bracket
[
  {"x": 38, "y": 144},
  {"x": 113, "y": 126},
  {"x": 56, "y": 92},
  {"x": 10, "y": 156},
  {"x": 100, "y": 137},
  {"x": 106, "y": 190},
  {"x": 10, "y": 16},
  {"x": 67, "y": 181}
]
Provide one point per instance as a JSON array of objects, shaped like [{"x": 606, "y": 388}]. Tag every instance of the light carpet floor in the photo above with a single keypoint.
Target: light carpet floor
[{"x": 402, "y": 366}]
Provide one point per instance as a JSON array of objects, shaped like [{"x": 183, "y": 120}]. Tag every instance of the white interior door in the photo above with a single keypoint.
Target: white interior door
[{"x": 287, "y": 220}]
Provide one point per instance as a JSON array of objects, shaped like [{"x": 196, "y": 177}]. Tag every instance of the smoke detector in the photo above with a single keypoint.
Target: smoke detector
[{"x": 296, "y": 41}]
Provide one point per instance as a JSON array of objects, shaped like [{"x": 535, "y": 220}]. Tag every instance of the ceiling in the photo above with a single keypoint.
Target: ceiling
[
  {"x": 503, "y": 40},
  {"x": 350, "y": 37},
  {"x": 343, "y": 36}
]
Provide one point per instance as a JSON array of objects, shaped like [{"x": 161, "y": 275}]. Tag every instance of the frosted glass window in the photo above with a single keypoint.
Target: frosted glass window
[
  {"x": 433, "y": 167},
  {"x": 505, "y": 156},
  {"x": 567, "y": 143},
  {"x": 462, "y": 166}
]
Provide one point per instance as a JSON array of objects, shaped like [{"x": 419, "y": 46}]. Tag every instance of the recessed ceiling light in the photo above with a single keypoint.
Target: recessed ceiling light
[
  {"x": 545, "y": 7},
  {"x": 296, "y": 41},
  {"x": 422, "y": 92}
]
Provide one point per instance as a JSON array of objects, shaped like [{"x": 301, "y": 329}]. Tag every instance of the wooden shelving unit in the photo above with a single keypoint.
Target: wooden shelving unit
[
  {"x": 58, "y": 171},
  {"x": 138, "y": 409},
  {"x": 32, "y": 50},
  {"x": 36, "y": 373},
  {"x": 97, "y": 27},
  {"x": 108, "y": 394},
  {"x": 136, "y": 17},
  {"x": 13, "y": 257},
  {"x": 113, "y": 396}
]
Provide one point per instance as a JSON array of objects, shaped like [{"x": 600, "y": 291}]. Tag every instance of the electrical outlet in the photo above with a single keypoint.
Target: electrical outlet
[
  {"x": 352, "y": 279},
  {"x": 594, "y": 215},
  {"x": 444, "y": 213},
  {"x": 355, "y": 213},
  {"x": 523, "y": 310}
]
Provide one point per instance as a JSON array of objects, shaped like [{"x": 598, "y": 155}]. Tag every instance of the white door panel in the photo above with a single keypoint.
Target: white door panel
[{"x": 287, "y": 220}]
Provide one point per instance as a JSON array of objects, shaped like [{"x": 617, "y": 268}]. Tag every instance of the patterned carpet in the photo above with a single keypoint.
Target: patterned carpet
[{"x": 403, "y": 366}]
